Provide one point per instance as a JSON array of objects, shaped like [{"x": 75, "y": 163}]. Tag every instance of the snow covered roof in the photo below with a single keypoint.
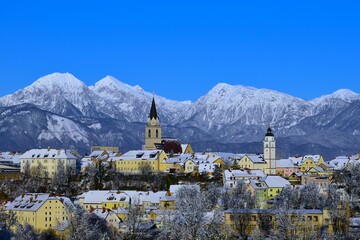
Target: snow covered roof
[
  {"x": 275, "y": 181},
  {"x": 315, "y": 158},
  {"x": 243, "y": 174},
  {"x": 317, "y": 168},
  {"x": 284, "y": 163},
  {"x": 153, "y": 197},
  {"x": 104, "y": 213},
  {"x": 339, "y": 162},
  {"x": 296, "y": 160},
  {"x": 226, "y": 155},
  {"x": 33, "y": 201},
  {"x": 274, "y": 211},
  {"x": 48, "y": 153},
  {"x": 100, "y": 196},
  {"x": 256, "y": 184},
  {"x": 175, "y": 188},
  {"x": 96, "y": 153},
  {"x": 140, "y": 154},
  {"x": 256, "y": 158}
]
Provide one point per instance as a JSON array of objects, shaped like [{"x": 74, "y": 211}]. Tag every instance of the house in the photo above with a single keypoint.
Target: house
[
  {"x": 258, "y": 188},
  {"x": 47, "y": 160},
  {"x": 133, "y": 161},
  {"x": 253, "y": 162},
  {"x": 109, "y": 216},
  {"x": 295, "y": 178},
  {"x": 317, "y": 171},
  {"x": 108, "y": 199},
  {"x": 231, "y": 177},
  {"x": 275, "y": 185},
  {"x": 41, "y": 210},
  {"x": 305, "y": 220},
  {"x": 342, "y": 162},
  {"x": 309, "y": 161},
  {"x": 187, "y": 149},
  {"x": 322, "y": 182},
  {"x": 285, "y": 167}
]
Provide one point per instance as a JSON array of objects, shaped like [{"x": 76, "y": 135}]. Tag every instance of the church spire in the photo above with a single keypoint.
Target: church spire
[{"x": 153, "y": 113}]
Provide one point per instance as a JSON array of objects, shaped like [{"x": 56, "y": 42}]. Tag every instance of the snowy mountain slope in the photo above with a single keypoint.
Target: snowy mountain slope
[
  {"x": 132, "y": 102},
  {"x": 226, "y": 105},
  {"x": 59, "y": 110},
  {"x": 60, "y": 93}
]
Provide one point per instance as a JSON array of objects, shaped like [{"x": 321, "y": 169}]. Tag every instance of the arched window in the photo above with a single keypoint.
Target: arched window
[
  {"x": 149, "y": 134},
  {"x": 157, "y": 133}
]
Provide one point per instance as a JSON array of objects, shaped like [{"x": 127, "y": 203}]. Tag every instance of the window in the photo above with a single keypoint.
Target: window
[
  {"x": 315, "y": 218},
  {"x": 149, "y": 134},
  {"x": 157, "y": 133}
]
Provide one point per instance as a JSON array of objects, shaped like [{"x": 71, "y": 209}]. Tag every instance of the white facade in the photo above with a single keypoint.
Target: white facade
[{"x": 270, "y": 152}]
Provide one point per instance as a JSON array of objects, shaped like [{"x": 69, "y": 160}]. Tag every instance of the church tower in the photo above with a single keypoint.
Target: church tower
[
  {"x": 270, "y": 152},
  {"x": 153, "y": 129}
]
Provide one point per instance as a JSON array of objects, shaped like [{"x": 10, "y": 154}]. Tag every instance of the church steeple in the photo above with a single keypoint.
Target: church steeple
[
  {"x": 153, "y": 129},
  {"x": 153, "y": 113}
]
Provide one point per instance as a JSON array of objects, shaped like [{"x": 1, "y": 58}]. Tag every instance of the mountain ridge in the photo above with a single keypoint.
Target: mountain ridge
[{"x": 226, "y": 115}]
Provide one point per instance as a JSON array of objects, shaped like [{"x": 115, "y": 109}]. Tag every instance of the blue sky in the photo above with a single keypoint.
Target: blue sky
[{"x": 181, "y": 49}]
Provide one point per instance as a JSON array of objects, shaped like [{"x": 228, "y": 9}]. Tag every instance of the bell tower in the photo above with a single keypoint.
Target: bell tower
[
  {"x": 270, "y": 152},
  {"x": 152, "y": 129}
]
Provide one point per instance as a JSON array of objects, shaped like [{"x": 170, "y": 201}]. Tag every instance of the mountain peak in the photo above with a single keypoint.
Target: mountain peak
[
  {"x": 343, "y": 94},
  {"x": 66, "y": 81},
  {"x": 115, "y": 84}
]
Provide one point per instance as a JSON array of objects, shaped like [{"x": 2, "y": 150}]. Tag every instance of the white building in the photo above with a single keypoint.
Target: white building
[{"x": 48, "y": 160}]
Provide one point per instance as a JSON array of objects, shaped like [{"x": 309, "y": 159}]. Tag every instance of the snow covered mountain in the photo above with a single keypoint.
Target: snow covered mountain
[{"x": 62, "y": 111}]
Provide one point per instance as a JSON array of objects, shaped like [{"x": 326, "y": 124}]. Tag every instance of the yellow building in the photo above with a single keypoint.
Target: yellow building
[
  {"x": 253, "y": 162},
  {"x": 105, "y": 148},
  {"x": 310, "y": 161},
  {"x": 134, "y": 161},
  {"x": 302, "y": 221},
  {"x": 109, "y": 199},
  {"x": 186, "y": 148},
  {"x": 41, "y": 210},
  {"x": 48, "y": 160},
  {"x": 111, "y": 217}
]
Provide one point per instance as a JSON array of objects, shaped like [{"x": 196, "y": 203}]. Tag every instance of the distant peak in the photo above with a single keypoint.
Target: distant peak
[
  {"x": 342, "y": 94},
  {"x": 114, "y": 83},
  {"x": 65, "y": 80}
]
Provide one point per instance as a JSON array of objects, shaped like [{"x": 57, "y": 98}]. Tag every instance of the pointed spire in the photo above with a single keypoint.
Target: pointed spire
[
  {"x": 153, "y": 113},
  {"x": 269, "y": 133}
]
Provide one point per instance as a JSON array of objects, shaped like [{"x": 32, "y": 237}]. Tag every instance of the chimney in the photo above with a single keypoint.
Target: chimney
[
  {"x": 31, "y": 199},
  {"x": 49, "y": 148},
  {"x": 103, "y": 210}
]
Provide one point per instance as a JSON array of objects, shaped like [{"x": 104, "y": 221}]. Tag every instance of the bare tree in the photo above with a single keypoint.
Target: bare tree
[
  {"x": 135, "y": 219},
  {"x": 310, "y": 197}
]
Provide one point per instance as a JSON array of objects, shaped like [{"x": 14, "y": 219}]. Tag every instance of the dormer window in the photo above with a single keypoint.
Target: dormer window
[{"x": 139, "y": 155}]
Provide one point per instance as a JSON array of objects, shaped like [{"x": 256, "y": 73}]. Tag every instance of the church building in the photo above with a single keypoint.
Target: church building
[
  {"x": 153, "y": 135},
  {"x": 270, "y": 152}
]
